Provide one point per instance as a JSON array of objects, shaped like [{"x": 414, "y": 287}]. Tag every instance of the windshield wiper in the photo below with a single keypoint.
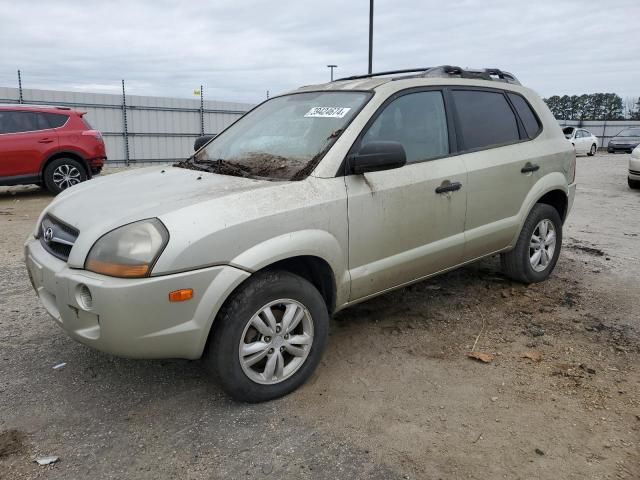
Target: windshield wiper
[{"x": 335, "y": 133}]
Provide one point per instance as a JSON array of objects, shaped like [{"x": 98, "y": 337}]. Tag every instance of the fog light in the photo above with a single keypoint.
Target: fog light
[{"x": 83, "y": 295}]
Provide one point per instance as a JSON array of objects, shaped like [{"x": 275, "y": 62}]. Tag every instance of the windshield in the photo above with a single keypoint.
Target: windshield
[
  {"x": 630, "y": 132},
  {"x": 282, "y": 139}
]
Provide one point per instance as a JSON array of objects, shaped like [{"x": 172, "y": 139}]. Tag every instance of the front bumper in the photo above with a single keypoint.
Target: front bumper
[
  {"x": 131, "y": 317},
  {"x": 621, "y": 148},
  {"x": 634, "y": 167}
]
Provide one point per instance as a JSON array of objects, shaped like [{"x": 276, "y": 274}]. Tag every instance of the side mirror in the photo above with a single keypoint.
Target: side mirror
[
  {"x": 377, "y": 156},
  {"x": 200, "y": 141}
]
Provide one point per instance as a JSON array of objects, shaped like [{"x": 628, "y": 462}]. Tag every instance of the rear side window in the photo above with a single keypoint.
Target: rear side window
[
  {"x": 55, "y": 120},
  {"x": 417, "y": 121},
  {"x": 485, "y": 119},
  {"x": 528, "y": 117}
]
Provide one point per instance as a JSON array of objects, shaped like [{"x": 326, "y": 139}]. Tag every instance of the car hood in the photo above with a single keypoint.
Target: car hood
[
  {"x": 99, "y": 205},
  {"x": 625, "y": 140}
]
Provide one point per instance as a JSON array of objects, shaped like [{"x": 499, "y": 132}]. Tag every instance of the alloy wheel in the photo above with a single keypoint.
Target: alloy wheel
[
  {"x": 65, "y": 176},
  {"x": 276, "y": 341},
  {"x": 542, "y": 245}
]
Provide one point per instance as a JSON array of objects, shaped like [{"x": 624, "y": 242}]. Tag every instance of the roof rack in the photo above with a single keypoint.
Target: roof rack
[
  {"x": 388, "y": 72},
  {"x": 491, "y": 74}
]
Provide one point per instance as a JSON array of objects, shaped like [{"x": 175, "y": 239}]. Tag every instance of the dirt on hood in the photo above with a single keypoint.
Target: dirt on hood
[{"x": 255, "y": 165}]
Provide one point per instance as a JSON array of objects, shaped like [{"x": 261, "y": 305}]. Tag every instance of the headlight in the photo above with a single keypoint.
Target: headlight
[{"x": 129, "y": 251}]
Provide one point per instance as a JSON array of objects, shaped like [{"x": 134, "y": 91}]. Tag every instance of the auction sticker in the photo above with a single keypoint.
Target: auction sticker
[{"x": 328, "y": 112}]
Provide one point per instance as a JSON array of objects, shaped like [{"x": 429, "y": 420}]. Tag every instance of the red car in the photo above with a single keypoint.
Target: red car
[{"x": 50, "y": 146}]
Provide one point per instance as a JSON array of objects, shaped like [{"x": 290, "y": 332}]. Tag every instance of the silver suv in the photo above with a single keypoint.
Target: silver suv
[{"x": 311, "y": 202}]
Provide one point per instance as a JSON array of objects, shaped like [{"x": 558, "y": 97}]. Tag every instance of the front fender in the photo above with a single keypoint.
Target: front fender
[
  {"x": 316, "y": 243},
  {"x": 551, "y": 181}
]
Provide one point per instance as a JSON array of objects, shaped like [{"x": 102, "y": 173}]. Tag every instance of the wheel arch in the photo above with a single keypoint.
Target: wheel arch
[
  {"x": 312, "y": 254},
  {"x": 552, "y": 189},
  {"x": 558, "y": 200},
  {"x": 65, "y": 154},
  {"x": 314, "y": 269}
]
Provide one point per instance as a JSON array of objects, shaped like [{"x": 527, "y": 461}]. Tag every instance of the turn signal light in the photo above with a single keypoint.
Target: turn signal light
[
  {"x": 117, "y": 270},
  {"x": 181, "y": 295}
]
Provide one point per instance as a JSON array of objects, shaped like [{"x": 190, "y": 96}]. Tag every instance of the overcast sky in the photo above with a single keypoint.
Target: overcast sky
[{"x": 239, "y": 49}]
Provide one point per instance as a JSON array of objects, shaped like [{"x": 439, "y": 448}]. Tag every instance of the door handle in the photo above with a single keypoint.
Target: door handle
[
  {"x": 45, "y": 140},
  {"x": 448, "y": 186},
  {"x": 530, "y": 167}
]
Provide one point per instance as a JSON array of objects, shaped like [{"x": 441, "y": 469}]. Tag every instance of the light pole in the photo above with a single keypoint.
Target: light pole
[
  {"x": 332, "y": 67},
  {"x": 370, "y": 37}
]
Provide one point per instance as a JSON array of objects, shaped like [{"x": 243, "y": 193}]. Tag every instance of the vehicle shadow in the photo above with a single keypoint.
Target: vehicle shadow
[{"x": 26, "y": 192}]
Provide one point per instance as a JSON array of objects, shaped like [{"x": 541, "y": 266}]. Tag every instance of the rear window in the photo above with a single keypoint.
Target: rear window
[
  {"x": 55, "y": 120},
  {"x": 528, "y": 117},
  {"x": 485, "y": 118}
]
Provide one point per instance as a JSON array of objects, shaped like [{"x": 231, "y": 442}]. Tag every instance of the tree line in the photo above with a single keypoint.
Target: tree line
[{"x": 594, "y": 106}]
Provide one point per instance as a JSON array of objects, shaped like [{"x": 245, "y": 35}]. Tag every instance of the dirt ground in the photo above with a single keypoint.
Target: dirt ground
[{"x": 395, "y": 395}]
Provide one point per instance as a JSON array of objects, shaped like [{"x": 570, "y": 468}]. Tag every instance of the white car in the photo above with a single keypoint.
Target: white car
[
  {"x": 634, "y": 169},
  {"x": 583, "y": 140}
]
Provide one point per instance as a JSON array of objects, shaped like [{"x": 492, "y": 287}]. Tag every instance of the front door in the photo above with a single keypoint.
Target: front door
[{"x": 400, "y": 228}]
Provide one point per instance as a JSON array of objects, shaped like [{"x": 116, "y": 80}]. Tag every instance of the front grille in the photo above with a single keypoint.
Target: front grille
[
  {"x": 634, "y": 172},
  {"x": 57, "y": 237}
]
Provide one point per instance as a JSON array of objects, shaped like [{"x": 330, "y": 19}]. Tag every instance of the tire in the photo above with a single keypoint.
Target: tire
[
  {"x": 592, "y": 150},
  {"x": 635, "y": 184},
  {"x": 235, "y": 324},
  {"x": 63, "y": 173},
  {"x": 517, "y": 264}
]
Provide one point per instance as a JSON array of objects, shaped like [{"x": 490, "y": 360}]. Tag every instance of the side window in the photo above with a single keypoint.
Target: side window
[
  {"x": 16, "y": 122},
  {"x": 54, "y": 120},
  {"x": 528, "y": 117},
  {"x": 5, "y": 122},
  {"x": 41, "y": 121},
  {"x": 485, "y": 119},
  {"x": 417, "y": 121}
]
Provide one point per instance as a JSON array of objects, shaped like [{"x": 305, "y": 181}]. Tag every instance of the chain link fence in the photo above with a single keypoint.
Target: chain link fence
[{"x": 139, "y": 129}]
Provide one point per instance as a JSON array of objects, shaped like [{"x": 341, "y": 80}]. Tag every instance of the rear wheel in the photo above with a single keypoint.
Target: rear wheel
[
  {"x": 592, "y": 150},
  {"x": 635, "y": 184},
  {"x": 63, "y": 173},
  {"x": 538, "y": 247},
  {"x": 269, "y": 337}
]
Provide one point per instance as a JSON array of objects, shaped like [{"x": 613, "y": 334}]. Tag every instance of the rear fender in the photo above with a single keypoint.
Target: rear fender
[{"x": 548, "y": 183}]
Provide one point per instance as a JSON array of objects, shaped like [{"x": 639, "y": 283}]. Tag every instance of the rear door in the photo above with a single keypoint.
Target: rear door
[
  {"x": 26, "y": 138},
  {"x": 502, "y": 165},
  {"x": 400, "y": 228}
]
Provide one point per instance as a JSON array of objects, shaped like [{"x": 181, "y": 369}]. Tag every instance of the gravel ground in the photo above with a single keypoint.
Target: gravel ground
[{"x": 395, "y": 395}]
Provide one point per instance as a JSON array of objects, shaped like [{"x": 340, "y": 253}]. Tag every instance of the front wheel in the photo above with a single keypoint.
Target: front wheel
[
  {"x": 592, "y": 150},
  {"x": 635, "y": 184},
  {"x": 269, "y": 337},
  {"x": 538, "y": 247}
]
